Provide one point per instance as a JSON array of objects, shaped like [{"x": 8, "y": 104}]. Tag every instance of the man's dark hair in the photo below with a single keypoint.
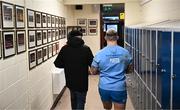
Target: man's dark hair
[{"x": 74, "y": 33}]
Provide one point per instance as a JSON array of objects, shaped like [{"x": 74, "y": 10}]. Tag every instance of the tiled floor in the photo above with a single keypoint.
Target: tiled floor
[{"x": 93, "y": 101}]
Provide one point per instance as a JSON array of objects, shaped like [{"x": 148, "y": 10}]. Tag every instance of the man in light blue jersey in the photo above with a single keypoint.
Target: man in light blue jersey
[{"x": 112, "y": 62}]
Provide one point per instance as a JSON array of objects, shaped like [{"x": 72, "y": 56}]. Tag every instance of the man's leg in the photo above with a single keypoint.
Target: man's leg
[
  {"x": 107, "y": 105},
  {"x": 73, "y": 99},
  {"x": 118, "y": 106},
  {"x": 81, "y": 100}
]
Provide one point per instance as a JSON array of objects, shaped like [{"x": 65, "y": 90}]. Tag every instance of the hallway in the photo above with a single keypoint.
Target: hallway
[{"x": 93, "y": 101}]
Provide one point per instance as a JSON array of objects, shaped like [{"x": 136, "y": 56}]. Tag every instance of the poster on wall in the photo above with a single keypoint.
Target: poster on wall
[
  {"x": 44, "y": 20},
  {"x": 20, "y": 18},
  {"x": 92, "y": 31},
  {"x": 8, "y": 43},
  {"x": 54, "y": 49},
  {"x": 38, "y": 19},
  {"x": 44, "y": 35},
  {"x": 49, "y": 20},
  {"x": 30, "y": 18},
  {"x": 50, "y": 50},
  {"x": 57, "y": 47},
  {"x": 0, "y": 47},
  {"x": 31, "y": 38},
  {"x": 39, "y": 56},
  {"x": 92, "y": 22},
  {"x": 53, "y": 35},
  {"x": 32, "y": 59},
  {"x": 81, "y": 22},
  {"x": 38, "y": 38},
  {"x": 7, "y": 15},
  {"x": 45, "y": 53},
  {"x": 53, "y": 21},
  {"x": 49, "y": 36},
  {"x": 21, "y": 41}
]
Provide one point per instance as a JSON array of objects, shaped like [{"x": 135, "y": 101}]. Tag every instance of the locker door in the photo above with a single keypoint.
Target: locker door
[
  {"x": 164, "y": 68},
  {"x": 176, "y": 71}
]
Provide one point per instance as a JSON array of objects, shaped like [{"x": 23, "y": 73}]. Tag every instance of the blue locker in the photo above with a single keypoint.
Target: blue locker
[
  {"x": 148, "y": 71},
  {"x": 164, "y": 68},
  {"x": 176, "y": 71}
]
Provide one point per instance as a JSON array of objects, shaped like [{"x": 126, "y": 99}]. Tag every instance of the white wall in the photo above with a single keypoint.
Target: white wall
[
  {"x": 160, "y": 10},
  {"x": 19, "y": 87},
  {"x": 89, "y": 12}
]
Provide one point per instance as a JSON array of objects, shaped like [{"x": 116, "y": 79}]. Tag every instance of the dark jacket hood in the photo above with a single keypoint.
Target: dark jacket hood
[{"x": 75, "y": 42}]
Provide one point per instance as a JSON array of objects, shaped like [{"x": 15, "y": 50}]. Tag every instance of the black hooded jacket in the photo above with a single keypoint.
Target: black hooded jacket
[{"x": 75, "y": 57}]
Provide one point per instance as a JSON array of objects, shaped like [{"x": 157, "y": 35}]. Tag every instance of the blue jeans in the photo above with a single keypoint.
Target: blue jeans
[{"x": 78, "y": 100}]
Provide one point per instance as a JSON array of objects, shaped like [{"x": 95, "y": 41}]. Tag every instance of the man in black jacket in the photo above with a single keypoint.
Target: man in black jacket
[{"x": 75, "y": 58}]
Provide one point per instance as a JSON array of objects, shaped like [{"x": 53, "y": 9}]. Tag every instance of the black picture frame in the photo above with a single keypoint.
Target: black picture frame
[
  {"x": 54, "y": 49},
  {"x": 44, "y": 37},
  {"x": 48, "y": 20},
  {"x": 32, "y": 59},
  {"x": 92, "y": 22},
  {"x": 39, "y": 57},
  {"x": 20, "y": 16},
  {"x": 60, "y": 33},
  {"x": 53, "y": 34},
  {"x": 49, "y": 35},
  {"x": 31, "y": 39},
  {"x": 92, "y": 31},
  {"x": 60, "y": 18},
  {"x": 57, "y": 34},
  {"x": 9, "y": 48},
  {"x": 45, "y": 53},
  {"x": 20, "y": 41},
  {"x": 56, "y": 21},
  {"x": 50, "y": 51},
  {"x": 53, "y": 21},
  {"x": 57, "y": 47},
  {"x": 30, "y": 18},
  {"x": 38, "y": 19},
  {"x": 38, "y": 37},
  {"x": 44, "y": 20},
  {"x": 7, "y": 12},
  {"x": 81, "y": 22}
]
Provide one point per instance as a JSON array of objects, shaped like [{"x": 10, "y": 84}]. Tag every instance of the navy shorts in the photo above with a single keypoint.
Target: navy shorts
[{"x": 113, "y": 96}]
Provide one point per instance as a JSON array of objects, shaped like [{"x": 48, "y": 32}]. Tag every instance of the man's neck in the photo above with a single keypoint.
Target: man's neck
[{"x": 111, "y": 43}]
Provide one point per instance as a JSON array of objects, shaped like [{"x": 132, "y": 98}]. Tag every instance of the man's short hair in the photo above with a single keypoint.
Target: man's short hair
[
  {"x": 74, "y": 33},
  {"x": 111, "y": 34}
]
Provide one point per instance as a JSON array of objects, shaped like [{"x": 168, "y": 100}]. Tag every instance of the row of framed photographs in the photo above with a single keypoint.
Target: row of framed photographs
[
  {"x": 40, "y": 55},
  {"x": 12, "y": 43},
  {"x": 40, "y": 19},
  {"x": 14, "y": 16},
  {"x": 37, "y": 38},
  {"x": 91, "y": 22}
]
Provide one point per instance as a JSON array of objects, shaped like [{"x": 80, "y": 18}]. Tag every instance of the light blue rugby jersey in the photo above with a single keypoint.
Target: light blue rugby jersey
[{"x": 112, "y": 61}]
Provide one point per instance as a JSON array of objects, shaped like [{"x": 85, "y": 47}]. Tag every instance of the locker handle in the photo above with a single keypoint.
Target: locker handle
[
  {"x": 163, "y": 70},
  {"x": 173, "y": 76}
]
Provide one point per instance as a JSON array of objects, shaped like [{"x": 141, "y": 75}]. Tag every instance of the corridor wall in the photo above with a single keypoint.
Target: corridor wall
[{"x": 21, "y": 88}]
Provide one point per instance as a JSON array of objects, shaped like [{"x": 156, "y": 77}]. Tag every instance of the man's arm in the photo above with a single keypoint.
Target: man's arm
[{"x": 94, "y": 70}]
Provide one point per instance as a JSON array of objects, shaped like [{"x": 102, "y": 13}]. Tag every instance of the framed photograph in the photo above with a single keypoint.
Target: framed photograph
[
  {"x": 50, "y": 50},
  {"x": 20, "y": 41},
  {"x": 60, "y": 22},
  {"x": 31, "y": 38},
  {"x": 20, "y": 17},
  {"x": 92, "y": 22},
  {"x": 53, "y": 21},
  {"x": 56, "y": 21},
  {"x": 38, "y": 19},
  {"x": 39, "y": 57},
  {"x": 8, "y": 44},
  {"x": 54, "y": 49},
  {"x": 32, "y": 59},
  {"x": 92, "y": 31},
  {"x": 57, "y": 47},
  {"x": 82, "y": 22},
  {"x": 57, "y": 34},
  {"x": 49, "y": 36},
  {"x": 53, "y": 35},
  {"x": 44, "y": 36},
  {"x": 44, "y": 20},
  {"x": 0, "y": 47},
  {"x": 49, "y": 20},
  {"x": 60, "y": 33},
  {"x": 84, "y": 31},
  {"x": 30, "y": 18},
  {"x": 38, "y": 37},
  {"x": 7, "y": 15},
  {"x": 45, "y": 53}
]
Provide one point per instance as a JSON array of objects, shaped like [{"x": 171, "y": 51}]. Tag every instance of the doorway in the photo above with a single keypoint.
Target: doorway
[{"x": 110, "y": 18}]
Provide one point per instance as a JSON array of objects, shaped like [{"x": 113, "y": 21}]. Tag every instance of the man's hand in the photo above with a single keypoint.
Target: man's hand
[{"x": 94, "y": 70}]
